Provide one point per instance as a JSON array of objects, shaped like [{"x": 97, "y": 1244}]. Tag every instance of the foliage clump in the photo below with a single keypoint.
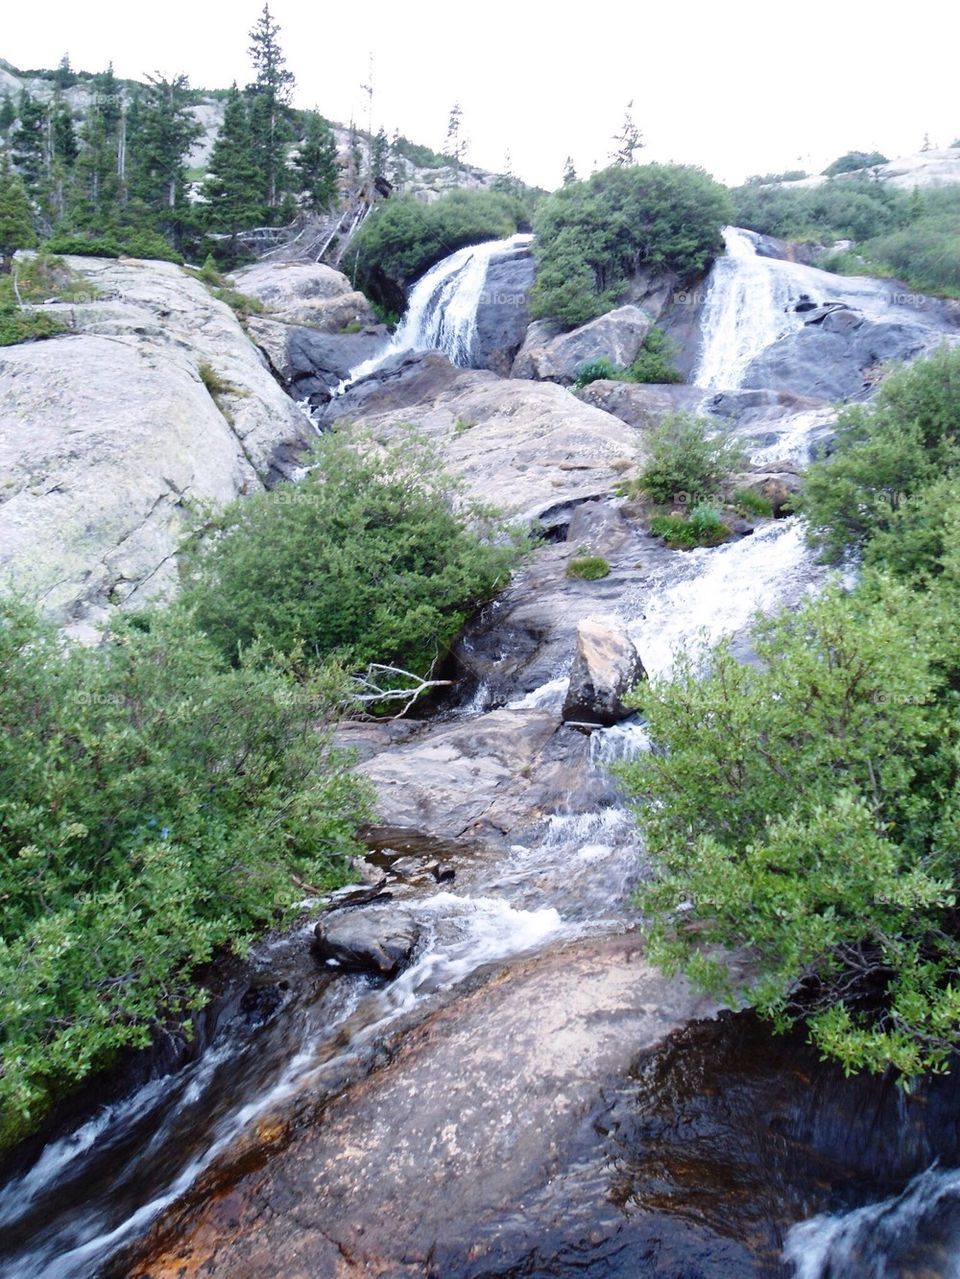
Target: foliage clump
[
  {"x": 588, "y": 568},
  {"x": 701, "y": 526},
  {"x": 373, "y": 557},
  {"x": 593, "y": 236},
  {"x": 687, "y": 461},
  {"x": 158, "y": 804}
]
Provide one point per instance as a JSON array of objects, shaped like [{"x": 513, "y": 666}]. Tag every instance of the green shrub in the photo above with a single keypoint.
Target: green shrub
[
  {"x": 592, "y": 236},
  {"x": 595, "y": 371},
  {"x": 687, "y": 462},
  {"x": 588, "y": 568},
  {"x": 27, "y": 326},
  {"x": 843, "y": 208},
  {"x": 852, "y": 161},
  {"x": 150, "y": 244},
  {"x": 157, "y": 805},
  {"x": 373, "y": 557},
  {"x": 746, "y": 502},
  {"x": 84, "y": 246},
  {"x": 806, "y": 807},
  {"x": 701, "y": 527},
  {"x": 242, "y": 303},
  {"x": 883, "y": 454},
  {"x": 655, "y": 361}
]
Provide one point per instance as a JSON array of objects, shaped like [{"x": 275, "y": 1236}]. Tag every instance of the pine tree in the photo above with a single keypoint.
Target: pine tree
[
  {"x": 455, "y": 145},
  {"x": 398, "y": 167},
  {"x": 98, "y": 191},
  {"x": 66, "y": 77},
  {"x": 569, "y": 172},
  {"x": 160, "y": 134},
  {"x": 270, "y": 112},
  {"x": 927, "y": 144},
  {"x": 507, "y": 181},
  {"x": 629, "y": 140},
  {"x": 29, "y": 143},
  {"x": 8, "y": 113},
  {"x": 356, "y": 155},
  {"x": 317, "y": 165},
  {"x": 379, "y": 154},
  {"x": 233, "y": 187},
  {"x": 16, "y": 217},
  {"x": 65, "y": 146}
]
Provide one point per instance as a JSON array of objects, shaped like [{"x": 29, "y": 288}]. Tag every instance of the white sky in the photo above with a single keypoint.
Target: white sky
[{"x": 740, "y": 88}]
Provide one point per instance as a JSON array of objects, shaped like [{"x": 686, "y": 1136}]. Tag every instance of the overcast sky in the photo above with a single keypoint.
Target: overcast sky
[{"x": 739, "y": 88}]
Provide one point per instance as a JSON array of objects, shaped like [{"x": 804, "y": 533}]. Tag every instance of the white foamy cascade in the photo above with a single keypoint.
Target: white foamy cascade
[
  {"x": 752, "y": 302},
  {"x": 923, "y": 1216},
  {"x": 442, "y": 308}
]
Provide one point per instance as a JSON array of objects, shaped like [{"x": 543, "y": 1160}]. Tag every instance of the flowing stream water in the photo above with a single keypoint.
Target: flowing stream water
[{"x": 91, "y": 1190}]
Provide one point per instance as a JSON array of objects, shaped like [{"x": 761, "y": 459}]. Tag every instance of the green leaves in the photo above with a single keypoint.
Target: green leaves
[
  {"x": 155, "y": 805},
  {"x": 368, "y": 559},
  {"x": 805, "y": 809},
  {"x": 592, "y": 236}
]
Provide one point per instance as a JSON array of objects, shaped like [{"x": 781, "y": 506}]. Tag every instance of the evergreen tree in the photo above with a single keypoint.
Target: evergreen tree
[
  {"x": 270, "y": 112},
  {"x": 64, "y": 145},
  {"x": 29, "y": 142},
  {"x": 356, "y": 155},
  {"x": 16, "y": 218},
  {"x": 455, "y": 145},
  {"x": 160, "y": 134},
  {"x": 379, "y": 154},
  {"x": 233, "y": 187},
  {"x": 8, "y": 114},
  {"x": 317, "y": 165},
  {"x": 398, "y": 168},
  {"x": 629, "y": 140},
  {"x": 507, "y": 181},
  {"x": 98, "y": 191},
  {"x": 66, "y": 77},
  {"x": 569, "y": 172}
]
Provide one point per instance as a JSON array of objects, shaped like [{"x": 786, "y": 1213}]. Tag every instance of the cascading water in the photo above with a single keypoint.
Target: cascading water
[
  {"x": 442, "y": 309},
  {"x": 88, "y": 1192}
]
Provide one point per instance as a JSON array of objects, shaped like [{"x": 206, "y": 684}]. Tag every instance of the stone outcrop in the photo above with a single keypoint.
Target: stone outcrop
[
  {"x": 109, "y": 433},
  {"x": 640, "y": 404},
  {"x": 606, "y": 665},
  {"x": 548, "y": 355},
  {"x": 308, "y": 294},
  {"x": 531, "y": 448},
  {"x": 378, "y": 940}
]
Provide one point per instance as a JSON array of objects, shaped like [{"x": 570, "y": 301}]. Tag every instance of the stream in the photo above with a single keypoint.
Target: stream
[{"x": 77, "y": 1205}]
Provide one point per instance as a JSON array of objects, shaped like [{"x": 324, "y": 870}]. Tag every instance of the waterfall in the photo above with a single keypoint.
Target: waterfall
[
  {"x": 915, "y": 1232},
  {"x": 442, "y": 307}
]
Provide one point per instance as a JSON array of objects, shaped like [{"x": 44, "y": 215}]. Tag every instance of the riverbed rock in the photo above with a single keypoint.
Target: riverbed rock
[
  {"x": 616, "y": 336},
  {"x": 109, "y": 432},
  {"x": 599, "y": 528},
  {"x": 503, "y": 312},
  {"x": 308, "y": 294},
  {"x": 777, "y": 483},
  {"x": 531, "y": 448},
  {"x": 379, "y": 941},
  {"x": 640, "y": 404},
  {"x": 606, "y": 665}
]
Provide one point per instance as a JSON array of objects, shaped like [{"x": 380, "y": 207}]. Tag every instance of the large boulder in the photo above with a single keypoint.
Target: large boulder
[
  {"x": 502, "y": 314},
  {"x": 640, "y": 404},
  {"x": 531, "y": 448},
  {"x": 606, "y": 665},
  {"x": 305, "y": 293},
  {"x": 379, "y": 941},
  {"x": 616, "y": 336},
  {"x": 154, "y": 400}
]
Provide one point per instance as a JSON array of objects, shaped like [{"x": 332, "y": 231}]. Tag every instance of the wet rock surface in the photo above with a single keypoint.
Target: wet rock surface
[
  {"x": 606, "y": 665},
  {"x": 377, "y": 941}
]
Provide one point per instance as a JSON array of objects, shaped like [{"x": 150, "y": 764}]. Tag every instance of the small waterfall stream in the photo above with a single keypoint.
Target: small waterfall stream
[
  {"x": 101, "y": 1185},
  {"x": 442, "y": 309}
]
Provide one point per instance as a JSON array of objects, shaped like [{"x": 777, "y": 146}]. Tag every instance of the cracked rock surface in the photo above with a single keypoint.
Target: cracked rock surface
[{"x": 108, "y": 432}]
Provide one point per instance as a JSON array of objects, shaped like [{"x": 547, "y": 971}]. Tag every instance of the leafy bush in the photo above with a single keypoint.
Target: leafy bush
[
  {"x": 588, "y": 568},
  {"x": 747, "y": 502},
  {"x": 701, "y": 527},
  {"x": 885, "y": 454},
  {"x": 686, "y": 459},
  {"x": 84, "y": 246},
  {"x": 852, "y": 161},
  {"x": 367, "y": 559},
  {"x": 844, "y": 208},
  {"x": 404, "y": 238},
  {"x": 655, "y": 361},
  {"x": 592, "y": 236},
  {"x": 925, "y": 254},
  {"x": 157, "y": 805},
  {"x": 140, "y": 243},
  {"x": 595, "y": 371},
  {"x": 807, "y": 808},
  {"x": 242, "y": 303},
  {"x": 27, "y": 326}
]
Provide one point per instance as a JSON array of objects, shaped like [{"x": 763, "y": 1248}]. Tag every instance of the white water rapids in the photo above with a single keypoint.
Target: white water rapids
[{"x": 86, "y": 1193}]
